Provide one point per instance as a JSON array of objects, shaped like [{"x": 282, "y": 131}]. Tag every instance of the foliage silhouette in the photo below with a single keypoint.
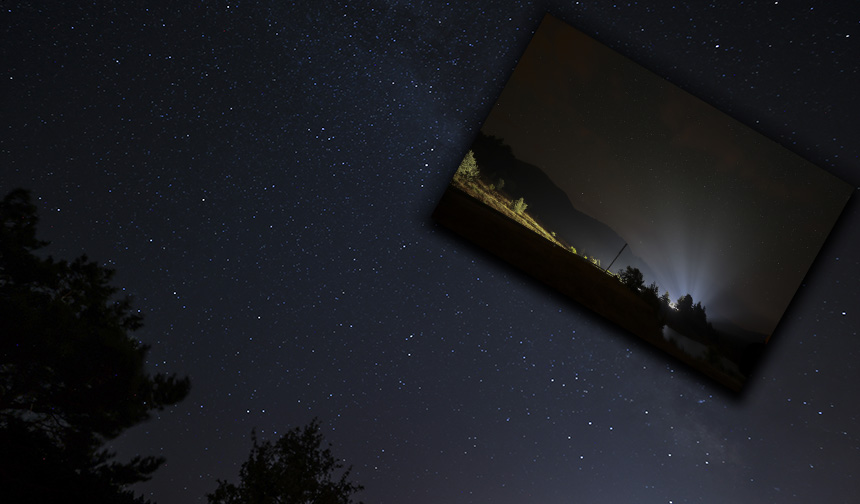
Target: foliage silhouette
[
  {"x": 665, "y": 299},
  {"x": 294, "y": 470},
  {"x": 684, "y": 304},
  {"x": 632, "y": 278},
  {"x": 691, "y": 318},
  {"x": 71, "y": 375},
  {"x": 649, "y": 294},
  {"x": 491, "y": 150}
]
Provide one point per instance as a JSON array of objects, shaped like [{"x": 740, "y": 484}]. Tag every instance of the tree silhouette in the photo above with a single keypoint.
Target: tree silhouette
[
  {"x": 690, "y": 318},
  {"x": 294, "y": 470},
  {"x": 649, "y": 294},
  {"x": 71, "y": 375},
  {"x": 494, "y": 155},
  {"x": 632, "y": 278},
  {"x": 491, "y": 149},
  {"x": 684, "y": 304},
  {"x": 665, "y": 299}
]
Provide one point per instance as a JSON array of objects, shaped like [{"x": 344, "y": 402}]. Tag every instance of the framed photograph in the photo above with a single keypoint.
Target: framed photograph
[{"x": 642, "y": 202}]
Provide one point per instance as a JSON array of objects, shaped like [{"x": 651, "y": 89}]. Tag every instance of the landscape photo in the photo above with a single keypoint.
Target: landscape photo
[{"x": 643, "y": 203}]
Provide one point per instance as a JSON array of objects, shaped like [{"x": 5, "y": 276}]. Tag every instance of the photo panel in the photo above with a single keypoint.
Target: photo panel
[{"x": 643, "y": 203}]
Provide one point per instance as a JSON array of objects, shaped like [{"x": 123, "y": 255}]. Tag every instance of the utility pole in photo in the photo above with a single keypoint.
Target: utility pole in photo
[{"x": 616, "y": 257}]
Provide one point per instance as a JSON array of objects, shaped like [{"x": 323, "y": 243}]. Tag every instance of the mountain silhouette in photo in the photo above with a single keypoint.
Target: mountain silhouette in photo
[{"x": 552, "y": 206}]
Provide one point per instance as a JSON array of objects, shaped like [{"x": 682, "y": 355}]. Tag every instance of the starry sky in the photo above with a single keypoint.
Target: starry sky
[
  {"x": 262, "y": 174},
  {"x": 714, "y": 209}
]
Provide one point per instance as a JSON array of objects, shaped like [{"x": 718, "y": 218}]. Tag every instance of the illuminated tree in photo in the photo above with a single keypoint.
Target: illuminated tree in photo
[
  {"x": 468, "y": 169},
  {"x": 519, "y": 206}
]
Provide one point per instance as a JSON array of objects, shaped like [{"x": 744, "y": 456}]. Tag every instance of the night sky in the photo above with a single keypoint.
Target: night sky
[
  {"x": 712, "y": 207},
  {"x": 261, "y": 175}
]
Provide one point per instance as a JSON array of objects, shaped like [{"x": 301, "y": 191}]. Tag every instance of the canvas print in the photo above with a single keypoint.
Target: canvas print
[{"x": 642, "y": 203}]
